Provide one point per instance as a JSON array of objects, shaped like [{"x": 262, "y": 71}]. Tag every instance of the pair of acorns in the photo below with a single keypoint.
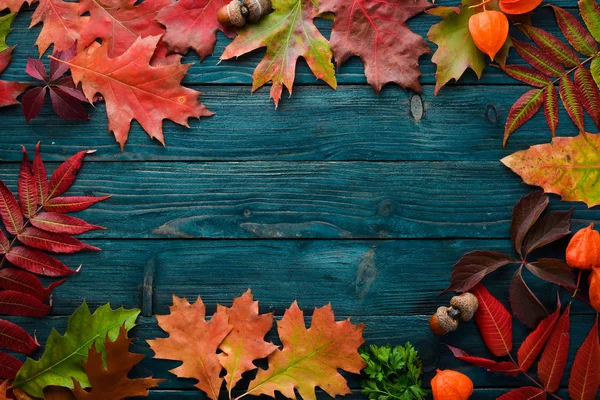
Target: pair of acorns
[
  {"x": 238, "y": 12},
  {"x": 446, "y": 319}
]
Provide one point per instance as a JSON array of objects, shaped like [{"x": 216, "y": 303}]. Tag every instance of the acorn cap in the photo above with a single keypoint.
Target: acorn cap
[
  {"x": 257, "y": 9},
  {"x": 442, "y": 322},
  {"x": 232, "y": 14},
  {"x": 467, "y": 304}
]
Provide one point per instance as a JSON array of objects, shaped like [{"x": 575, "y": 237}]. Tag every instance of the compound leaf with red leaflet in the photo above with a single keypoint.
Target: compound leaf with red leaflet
[
  {"x": 585, "y": 379},
  {"x": 67, "y": 204},
  {"x": 494, "y": 322},
  {"x": 551, "y": 227},
  {"x": 52, "y": 242},
  {"x": 535, "y": 341},
  {"x": 28, "y": 197},
  {"x": 524, "y": 393},
  {"x": 15, "y": 303},
  {"x": 288, "y": 33},
  {"x": 570, "y": 99},
  {"x": 473, "y": 267},
  {"x": 525, "y": 214},
  {"x": 24, "y": 282},
  {"x": 551, "y": 45},
  {"x": 524, "y": 304},
  {"x": 37, "y": 262},
  {"x": 9, "y": 366},
  {"x": 506, "y": 367},
  {"x": 590, "y": 13},
  {"x": 575, "y": 33},
  {"x": 554, "y": 358},
  {"x": 60, "y": 223},
  {"x": 522, "y": 111},
  {"x": 377, "y": 33},
  {"x": 15, "y": 338}
]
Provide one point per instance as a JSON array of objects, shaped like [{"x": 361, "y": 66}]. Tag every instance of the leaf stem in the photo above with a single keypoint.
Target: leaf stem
[
  {"x": 590, "y": 58},
  {"x": 532, "y": 379}
]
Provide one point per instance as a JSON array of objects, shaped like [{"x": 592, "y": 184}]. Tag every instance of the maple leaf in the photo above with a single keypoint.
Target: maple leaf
[
  {"x": 131, "y": 87},
  {"x": 112, "y": 382},
  {"x": 311, "y": 357},
  {"x": 288, "y": 33},
  {"x": 61, "y": 25},
  {"x": 245, "y": 343},
  {"x": 194, "y": 341},
  {"x": 562, "y": 167},
  {"x": 494, "y": 322},
  {"x": 5, "y": 29},
  {"x": 377, "y": 33},
  {"x": 193, "y": 24}
]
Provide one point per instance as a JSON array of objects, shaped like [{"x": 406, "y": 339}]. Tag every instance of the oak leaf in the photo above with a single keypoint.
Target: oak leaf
[
  {"x": 14, "y": 5},
  {"x": 378, "y": 34},
  {"x": 194, "y": 341},
  {"x": 133, "y": 89},
  {"x": 288, "y": 33},
  {"x": 62, "y": 24},
  {"x": 9, "y": 91}
]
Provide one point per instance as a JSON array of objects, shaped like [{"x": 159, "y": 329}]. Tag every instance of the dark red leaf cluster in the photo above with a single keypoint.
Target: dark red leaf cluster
[{"x": 33, "y": 225}]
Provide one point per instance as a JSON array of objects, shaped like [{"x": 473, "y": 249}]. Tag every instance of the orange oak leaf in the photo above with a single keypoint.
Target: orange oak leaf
[
  {"x": 14, "y": 5},
  {"x": 50, "y": 393},
  {"x": 311, "y": 357},
  {"x": 120, "y": 22},
  {"x": 193, "y": 24},
  {"x": 245, "y": 343},
  {"x": 377, "y": 33},
  {"x": 194, "y": 341},
  {"x": 288, "y": 33},
  {"x": 112, "y": 382},
  {"x": 133, "y": 89},
  {"x": 62, "y": 24}
]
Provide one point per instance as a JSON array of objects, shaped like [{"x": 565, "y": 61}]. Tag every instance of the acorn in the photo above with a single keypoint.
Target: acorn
[
  {"x": 466, "y": 304},
  {"x": 233, "y": 14},
  {"x": 444, "y": 320},
  {"x": 257, "y": 9}
]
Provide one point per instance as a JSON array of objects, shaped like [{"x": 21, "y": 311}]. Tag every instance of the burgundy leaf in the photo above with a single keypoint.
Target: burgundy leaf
[
  {"x": 575, "y": 33},
  {"x": 538, "y": 59},
  {"x": 5, "y": 57},
  {"x": 553, "y": 270},
  {"x": 525, "y": 214},
  {"x": 551, "y": 227},
  {"x": 11, "y": 215},
  {"x": 534, "y": 343},
  {"x": 57, "y": 68},
  {"x": 37, "y": 262},
  {"x": 525, "y": 305},
  {"x": 506, "y": 367},
  {"x": 39, "y": 174},
  {"x": 53, "y": 242},
  {"x": 15, "y": 338},
  {"x": 494, "y": 322},
  {"x": 473, "y": 267},
  {"x": 552, "y": 45},
  {"x": 524, "y": 393},
  {"x": 66, "y": 85},
  {"x": 571, "y": 101},
  {"x": 33, "y": 101},
  {"x": 588, "y": 93},
  {"x": 28, "y": 198},
  {"x": 554, "y": 358},
  {"x": 24, "y": 282},
  {"x": 72, "y": 203},
  {"x": 9, "y": 366},
  {"x": 36, "y": 69},
  {"x": 21, "y": 304},
  {"x": 66, "y": 106},
  {"x": 4, "y": 243},
  {"x": 65, "y": 174},
  {"x": 551, "y": 108},
  {"x": 585, "y": 374},
  {"x": 60, "y": 223}
]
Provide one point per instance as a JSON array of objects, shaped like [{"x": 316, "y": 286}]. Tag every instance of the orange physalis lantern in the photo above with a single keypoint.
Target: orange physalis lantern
[
  {"x": 518, "y": 6},
  {"x": 595, "y": 289},
  {"x": 489, "y": 30},
  {"x": 583, "y": 251},
  {"x": 451, "y": 385}
]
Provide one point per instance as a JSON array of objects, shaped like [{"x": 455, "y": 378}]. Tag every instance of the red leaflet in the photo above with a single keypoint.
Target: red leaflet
[
  {"x": 492, "y": 366},
  {"x": 9, "y": 366},
  {"x": 40, "y": 177},
  {"x": 524, "y": 393},
  {"x": 494, "y": 322},
  {"x": 550, "y": 44},
  {"x": 65, "y": 174},
  {"x": 60, "y": 223},
  {"x": 534, "y": 343},
  {"x": 4, "y": 243},
  {"x": 585, "y": 379},
  {"x": 21, "y": 304},
  {"x": 588, "y": 93},
  {"x": 575, "y": 33},
  {"x": 28, "y": 198},
  {"x": 33, "y": 101},
  {"x": 37, "y": 262},
  {"x": 9, "y": 91},
  {"x": 15, "y": 338},
  {"x": 522, "y": 111},
  {"x": 554, "y": 358},
  {"x": 568, "y": 95},
  {"x": 68, "y": 204},
  {"x": 527, "y": 75},
  {"x": 538, "y": 59},
  {"x": 24, "y": 282},
  {"x": 54, "y": 242},
  {"x": 551, "y": 108},
  {"x": 11, "y": 215}
]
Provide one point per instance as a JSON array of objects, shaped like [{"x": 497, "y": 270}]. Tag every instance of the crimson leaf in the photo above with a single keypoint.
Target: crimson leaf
[
  {"x": 9, "y": 366},
  {"x": 525, "y": 305},
  {"x": 585, "y": 377},
  {"x": 15, "y": 338},
  {"x": 534, "y": 343},
  {"x": 494, "y": 322},
  {"x": 524, "y": 393},
  {"x": 506, "y": 367},
  {"x": 554, "y": 358}
]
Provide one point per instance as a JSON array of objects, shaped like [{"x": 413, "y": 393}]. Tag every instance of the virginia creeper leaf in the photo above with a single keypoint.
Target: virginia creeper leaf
[
  {"x": 53, "y": 242},
  {"x": 11, "y": 215},
  {"x": 15, "y": 338},
  {"x": 311, "y": 357},
  {"x": 585, "y": 379},
  {"x": 551, "y": 108},
  {"x": 24, "y": 282},
  {"x": 33, "y": 101},
  {"x": 524, "y": 304},
  {"x": 538, "y": 59},
  {"x": 506, "y": 367},
  {"x": 61, "y": 362},
  {"x": 377, "y": 33},
  {"x": 552, "y": 270},
  {"x": 28, "y": 198},
  {"x": 587, "y": 93},
  {"x": 288, "y": 33},
  {"x": 554, "y": 358},
  {"x": 9, "y": 366},
  {"x": 522, "y": 111},
  {"x": 590, "y": 12},
  {"x": 549, "y": 228},
  {"x": 66, "y": 204},
  {"x": 525, "y": 214},
  {"x": 245, "y": 343},
  {"x": 494, "y": 322},
  {"x": 473, "y": 267},
  {"x": 130, "y": 87},
  {"x": 62, "y": 24},
  {"x": 535, "y": 341},
  {"x": 16, "y": 303},
  {"x": 194, "y": 341},
  {"x": 575, "y": 33},
  {"x": 568, "y": 167},
  {"x": 60, "y": 223},
  {"x": 524, "y": 393},
  {"x": 552, "y": 46},
  {"x": 5, "y": 22},
  {"x": 571, "y": 101},
  {"x": 37, "y": 262}
]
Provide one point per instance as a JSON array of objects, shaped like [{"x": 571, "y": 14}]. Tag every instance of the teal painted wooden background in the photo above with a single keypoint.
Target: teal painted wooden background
[{"x": 348, "y": 197}]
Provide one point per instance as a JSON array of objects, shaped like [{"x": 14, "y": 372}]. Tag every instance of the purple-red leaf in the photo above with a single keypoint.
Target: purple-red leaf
[
  {"x": 9, "y": 366},
  {"x": 525, "y": 215},
  {"x": 554, "y": 358},
  {"x": 72, "y": 203},
  {"x": 473, "y": 267},
  {"x": 66, "y": 106},
  {"x": 538, "y": 59},
  {"x": 15, "y": 338},
  {"x": 570, "y": 99},
  {"x": 11, "y": 215},
  {"x": 552, "y": 270},
  {"x": 522, "y": 111},
  {"x": 24, "y": 282},
  {"x": 53, "y": 242},
  {"x": 534, "y": 343},
  {"x": 525, "y": 305},
  {"x": 37, "y": 262},
  {"x": 588, "y": 93},
  {"x": 4, "y": 243},
  {"x": 65, "y": 174},
  {"x": 39, "y": 174},
  {"x": 60, "y": 223},
  {"x": 553, "y": 46},
  {"x": 36, "y": 69},
  {"x": 57, "y": 68},
  {"x": 585, "y": 373},
  {"x": 494, "y": 322},
  {"x": 576, "y": 34},
  {"x": 506, "y": 367},
  {"x": 66, "y": 85},
  {"x": 524, "y": 393},
  {"x": 33, "y": 101},
  {"x": 527, "y": 75},
  {"x": 21, "y": 304},
  {"x": 551, "y": 227},
  {"x": 551, "y": 107},
  {"x": 28, "y": 198}
]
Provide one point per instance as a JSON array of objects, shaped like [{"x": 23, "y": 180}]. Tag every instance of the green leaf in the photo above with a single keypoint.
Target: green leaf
[
  {"x": 590, "y": 12},
  {"x": 551, "y": 107},
  {"x": 575, "y": 33},
  {"x": 571, "y": 101},
  {"x": 5, "y": 22},
  {"x": 595, "y": 70},
  {"x": 61, "y": 362}
]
